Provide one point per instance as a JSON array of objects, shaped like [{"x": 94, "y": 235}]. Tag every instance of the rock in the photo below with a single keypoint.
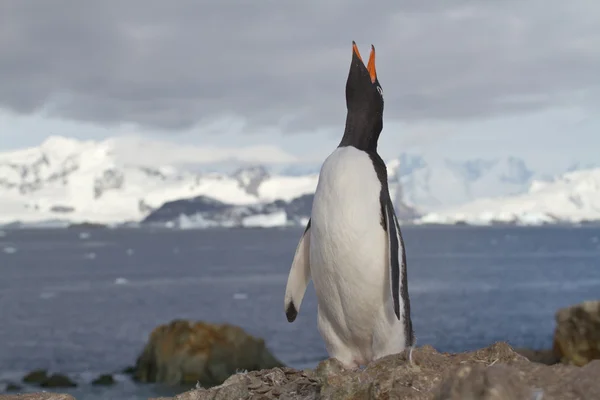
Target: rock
[
  {"x": 496, "y": 382},
  {"x": 12, "y": 387},
  {"x": 496, "y": 372},
  {"x": 36, "y": 377},
  {"x": 58, "y": 381},
  {"x": 37, "y": 396},
  {"x": 128, "y": 370},
  {"x": 104, "y": 380},
  {"x": 184, "y": 352},
  {"x": 577, "y": 333},
  {"x": 545, "y": 356}
]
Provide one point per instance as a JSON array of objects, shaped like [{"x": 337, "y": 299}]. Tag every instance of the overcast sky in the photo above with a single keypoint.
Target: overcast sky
[{"x": 461, "y": 79}]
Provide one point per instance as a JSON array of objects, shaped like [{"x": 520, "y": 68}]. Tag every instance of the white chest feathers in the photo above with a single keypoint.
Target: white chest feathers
[
  {"x": 347, "y": 207},
  {"x": 348, "y": 183}
]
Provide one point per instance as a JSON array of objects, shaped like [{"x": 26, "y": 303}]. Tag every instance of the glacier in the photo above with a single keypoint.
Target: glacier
[
  {"x": 104, "y": 182},
  {"x": 135, "y": 182},
  {"x": 571, "y": 198},
  {"x": 113, "y": 182}
]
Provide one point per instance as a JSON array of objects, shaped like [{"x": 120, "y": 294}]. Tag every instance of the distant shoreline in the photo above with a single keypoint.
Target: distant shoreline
[{"x": 162, "y": 227}]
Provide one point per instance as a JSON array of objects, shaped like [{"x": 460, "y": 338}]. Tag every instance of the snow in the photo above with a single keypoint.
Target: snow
[
  {"x": 265, "y": 220},
  {"x": 303, "y": 221},
  {"x": 119, "y": 180},
  {"x": 288, "y": 187},
  {"x": 433, "y": 184},
  {"x": 573, "y": 197},
  {"x": 194, "y": 222}
]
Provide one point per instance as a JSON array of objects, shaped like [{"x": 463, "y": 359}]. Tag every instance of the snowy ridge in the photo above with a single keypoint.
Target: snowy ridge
[
  {"x": 120, "y": 180},
  {"x": 433, "y": 184},
  {"x": 104, "y": 182},
  {"x": 112, "y": 182},
  {"x": 571, "y": 198}
]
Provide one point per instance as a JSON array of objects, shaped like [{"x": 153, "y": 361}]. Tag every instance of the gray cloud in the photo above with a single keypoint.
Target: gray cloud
[{"x": 174, "y": 64}]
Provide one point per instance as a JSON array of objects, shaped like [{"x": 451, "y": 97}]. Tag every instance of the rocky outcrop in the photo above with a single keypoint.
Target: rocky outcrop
[
  {"x": 37, "y": 376},
  {"x": 543, "y": 356},
  {"x": 493, "y": 373},
  {"x": 37, "y": 396},
  {"x": 41, "y": 378},
  {"x": 58, "y": 381},
  {"x": 577, "y": 333},
  {"x": 184, "y": 352},
  {"x": 104, "y": 380}
]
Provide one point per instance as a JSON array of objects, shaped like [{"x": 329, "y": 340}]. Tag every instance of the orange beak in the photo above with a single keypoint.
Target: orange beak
[
  {"x": 355, "y": 50},
  {"x": 371, "y": 64}
]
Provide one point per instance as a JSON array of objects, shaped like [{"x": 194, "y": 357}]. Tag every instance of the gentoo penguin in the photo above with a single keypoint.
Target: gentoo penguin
[{"x": 352, "y": 247}]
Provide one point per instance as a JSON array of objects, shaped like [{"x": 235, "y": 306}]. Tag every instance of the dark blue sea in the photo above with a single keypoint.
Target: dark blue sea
[{"x": 82, "y": 302}]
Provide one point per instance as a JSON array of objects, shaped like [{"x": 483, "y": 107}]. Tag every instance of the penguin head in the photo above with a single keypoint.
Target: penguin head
[
  {"x": 364, "y": 101},
  {"x": 363, "y": 90}
]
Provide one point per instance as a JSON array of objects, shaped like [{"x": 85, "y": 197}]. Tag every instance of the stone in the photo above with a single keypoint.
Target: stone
[
  {"x": 543, "y": 356},
  {"x": 13, "y": 387},
  {"x": 495, "y": 382},
  {"x": 36, "y": 377},
  {"x": 104, "y": 380},
  {"x": 496, "y": 372},
  {"x": 37, "y": 396},
  {"x": 577, "y": 333},
  {"x": 58, "y": 381},
  {"x": 186, "y": 352},
  {"x": 128, "y": 370}
]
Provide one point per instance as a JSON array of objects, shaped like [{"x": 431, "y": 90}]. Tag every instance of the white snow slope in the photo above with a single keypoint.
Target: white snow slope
[
  {"x": 115, "y": 180},
  {"x": 121, "y": 179},
  {"x": 571, "y": 198},
  {"x": 105, "y": 182},
  {"x": 431, "y": 184}
]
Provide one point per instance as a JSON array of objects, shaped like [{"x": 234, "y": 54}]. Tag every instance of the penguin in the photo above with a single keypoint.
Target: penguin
[{"x": 352, "y": 248}]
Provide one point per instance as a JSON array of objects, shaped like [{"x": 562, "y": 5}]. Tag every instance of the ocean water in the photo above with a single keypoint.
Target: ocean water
[{"x": 82, "y": 302}]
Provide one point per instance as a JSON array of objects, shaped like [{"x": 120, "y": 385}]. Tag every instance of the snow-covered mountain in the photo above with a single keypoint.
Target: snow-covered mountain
[
  {"x": 571, "y": 198},
  {"x": 115, "y": 180},
  {"x": 118, "y": 180},
  {"x": 203, "y": 211},
  {"x": 131, "y": 179},
  {"x": 438, "y": 183}
]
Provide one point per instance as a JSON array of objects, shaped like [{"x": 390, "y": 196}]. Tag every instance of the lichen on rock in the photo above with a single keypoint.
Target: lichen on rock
[
  {"x": 577, "y": 333},
  {"x": 185, "y": 352}
]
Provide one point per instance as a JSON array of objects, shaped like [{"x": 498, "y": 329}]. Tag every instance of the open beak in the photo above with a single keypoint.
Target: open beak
[
  {"x": 355, "y": 50},
  {"x": 371, "y": 64}
]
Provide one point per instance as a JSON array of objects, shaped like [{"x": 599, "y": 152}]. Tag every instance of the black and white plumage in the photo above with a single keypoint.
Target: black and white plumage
[{"x": 352, "y": 247}]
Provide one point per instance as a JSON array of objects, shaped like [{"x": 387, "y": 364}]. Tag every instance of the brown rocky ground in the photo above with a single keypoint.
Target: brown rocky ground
[
  {"x": 496, "y": 372},
  {"x": 37, "y": 396}
]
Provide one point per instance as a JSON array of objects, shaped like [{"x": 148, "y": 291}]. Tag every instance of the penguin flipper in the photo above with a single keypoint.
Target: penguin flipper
[
  {"x": 299, "y": 276},
  {"x": 396, "y": 254}
]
